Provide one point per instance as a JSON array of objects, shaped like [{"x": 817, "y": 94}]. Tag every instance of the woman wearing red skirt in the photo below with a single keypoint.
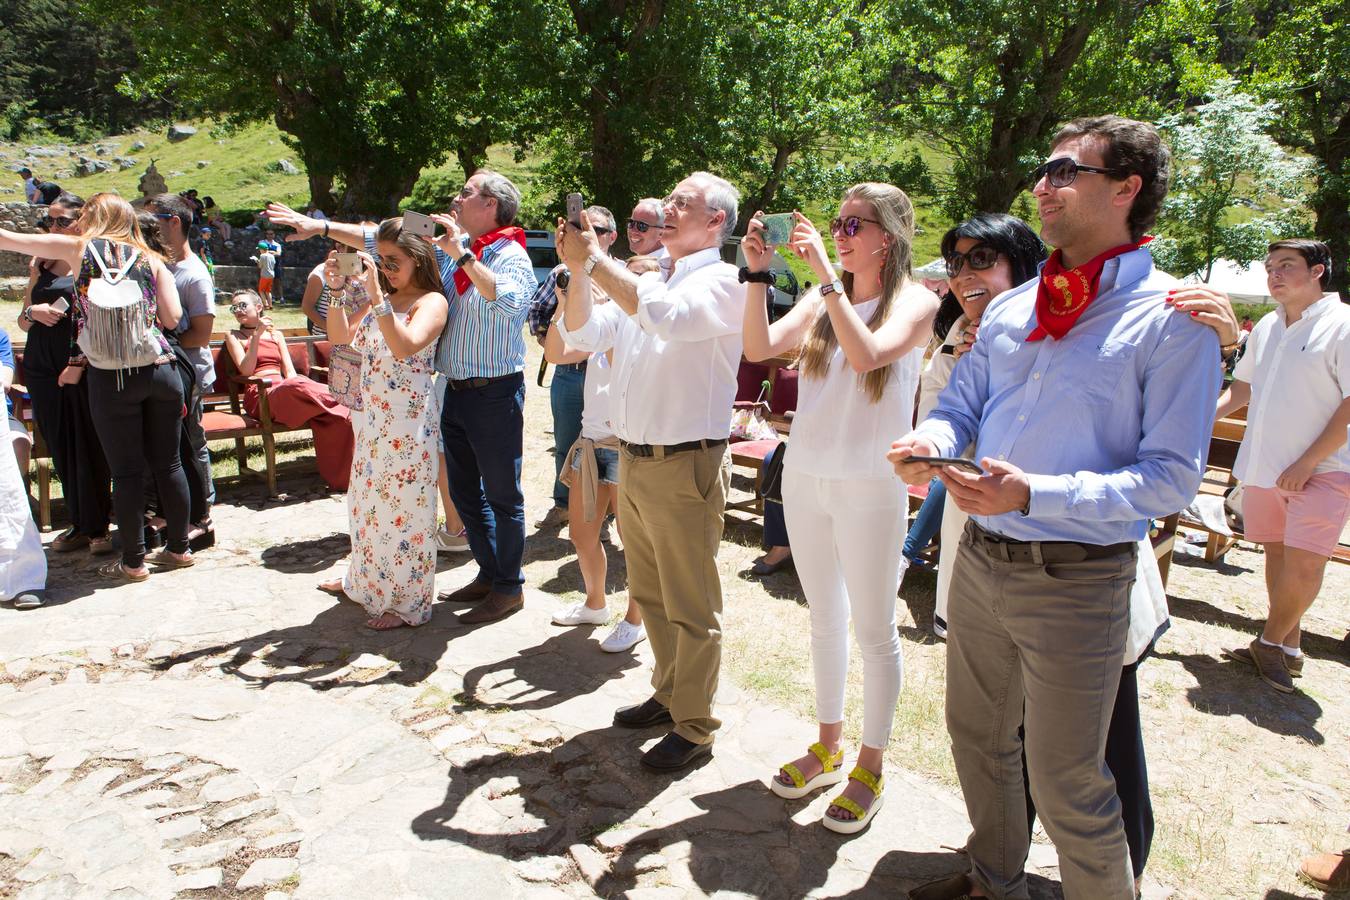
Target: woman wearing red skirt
[{"x": 294, "y": 400}]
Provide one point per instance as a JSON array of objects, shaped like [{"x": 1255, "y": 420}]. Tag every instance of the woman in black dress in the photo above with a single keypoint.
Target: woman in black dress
[{"x": 61, "y": 413}]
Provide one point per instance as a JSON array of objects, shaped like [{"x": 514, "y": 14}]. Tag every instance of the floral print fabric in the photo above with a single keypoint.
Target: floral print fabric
[{"x": 391, "y": 502}]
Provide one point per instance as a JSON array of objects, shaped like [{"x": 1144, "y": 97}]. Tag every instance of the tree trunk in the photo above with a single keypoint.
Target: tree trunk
[
  {"x": 471, "y": 156},
  {"x": 374, "y": 190},
  {"x": 1331, "y": 203},
  {"x": 764, "y": 197}
]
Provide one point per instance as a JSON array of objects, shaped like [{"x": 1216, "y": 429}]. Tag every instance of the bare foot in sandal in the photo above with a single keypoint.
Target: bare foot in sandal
[
  {"x": 386, "y": 622},
  {"x": 116, "y": 570}
]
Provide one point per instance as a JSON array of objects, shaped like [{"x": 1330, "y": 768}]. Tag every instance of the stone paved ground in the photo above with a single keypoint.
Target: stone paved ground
[{"x": 229, "y": 731}]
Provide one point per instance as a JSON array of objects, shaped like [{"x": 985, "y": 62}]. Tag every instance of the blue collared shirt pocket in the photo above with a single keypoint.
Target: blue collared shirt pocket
[{"x": 1107, "y": 362}]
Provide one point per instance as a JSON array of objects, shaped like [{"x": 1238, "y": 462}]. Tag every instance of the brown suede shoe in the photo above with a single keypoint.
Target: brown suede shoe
[
  {"x": 953, "y": 887},
  {"x": 1244, "y": 655},
  {"x": 1327, "y": 871},
  {"x": 495, "y": 606},
  {"x": 1269, "y": 663},
  {"x": 470, "y": 593}
]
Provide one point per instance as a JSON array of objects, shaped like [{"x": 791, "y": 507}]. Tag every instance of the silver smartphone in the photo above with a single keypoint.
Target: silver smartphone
[
  {"x": 348, "y": 264},
  {"x": 60, "y": 304},
  {"x": 574, "y": 207},
  {"x": 956, "y": 461},
  {"x": 417, "y": 223}
]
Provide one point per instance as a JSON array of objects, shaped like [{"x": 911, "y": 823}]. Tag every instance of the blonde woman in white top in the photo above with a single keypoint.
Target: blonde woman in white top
[{"x": 861, "y": 338}]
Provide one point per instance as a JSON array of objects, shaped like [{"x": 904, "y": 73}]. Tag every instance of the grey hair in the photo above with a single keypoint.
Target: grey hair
[
  {"x": 599, "y": 215},
  {"x": 719, "y": 194},
  {"x": 653, "y": 206},
  {"x": 500, "y": 188}
]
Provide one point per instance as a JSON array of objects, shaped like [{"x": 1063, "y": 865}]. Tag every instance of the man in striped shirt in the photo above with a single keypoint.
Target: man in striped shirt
[{"x": 482, "y": 354}]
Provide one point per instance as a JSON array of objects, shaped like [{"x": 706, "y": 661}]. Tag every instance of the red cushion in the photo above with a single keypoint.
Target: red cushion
[
  {"x": 750, "y": 380},
  {"x": 783, "y": 399},
  {"x": 757, "y": 449},
  {"x": 920, "y": 490},
  {"x": 217, "y": 420},
  {"x": 323, "y": 351},
  {"x": 220, "y": 359},
  {"x": 299, "y": 358}
]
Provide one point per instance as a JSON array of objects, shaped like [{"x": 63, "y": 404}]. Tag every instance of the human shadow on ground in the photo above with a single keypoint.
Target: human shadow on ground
[
  {"x": 320, "y": 653},
  {"x": 1316, "y": 645},
  {"x": 309, "y": 556},
  {"x": 565, "y": 665},
  {"x": 1220, "y": 565},
  {"x": 1230, "y": 688},
  {"x": 917, "y": 868}
]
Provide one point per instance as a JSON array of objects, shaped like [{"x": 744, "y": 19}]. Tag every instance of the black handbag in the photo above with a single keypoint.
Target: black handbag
[{"x": 771, "y": 480}]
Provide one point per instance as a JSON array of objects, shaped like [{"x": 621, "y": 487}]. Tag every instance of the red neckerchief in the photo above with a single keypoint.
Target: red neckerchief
[
  {"x": 1064, "y": 294},
  {"x": 511, "y": 232}
]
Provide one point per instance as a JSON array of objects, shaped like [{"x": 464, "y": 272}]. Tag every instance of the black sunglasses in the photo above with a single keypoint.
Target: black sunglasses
[
  {"x": 642, "y": 227},
  {"x": 59, "y": 221},
  {"x": 849, "y": 226},
  {"x": 980, "y": 257},
  {"x": 600, "y": 229},
  {"x": 1062, "y": 171}
]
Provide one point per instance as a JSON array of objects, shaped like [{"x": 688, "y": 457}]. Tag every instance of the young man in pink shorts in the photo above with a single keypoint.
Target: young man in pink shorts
[{"x": 1294, "y": 460}]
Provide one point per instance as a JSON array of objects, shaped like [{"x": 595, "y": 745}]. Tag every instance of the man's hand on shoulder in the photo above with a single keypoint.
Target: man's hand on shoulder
[{"x": 1003, "y": 488}]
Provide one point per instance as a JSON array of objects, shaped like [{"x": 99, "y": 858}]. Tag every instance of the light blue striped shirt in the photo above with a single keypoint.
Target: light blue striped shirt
[
  {"x": 1111, "y": 423},
  {"x": 483, "y": 338}
]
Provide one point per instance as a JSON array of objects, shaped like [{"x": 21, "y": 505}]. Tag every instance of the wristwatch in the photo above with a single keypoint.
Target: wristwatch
[
  {"x": 745, "y": 275},
  {"x": 464, "y": 260},
  {"x": 834, "y": 287},
  {"x": 591, "y": 262}
]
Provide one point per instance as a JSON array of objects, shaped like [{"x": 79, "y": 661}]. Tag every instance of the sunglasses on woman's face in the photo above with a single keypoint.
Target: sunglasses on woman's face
[
  {"x": 390, "y": 265},
  {"x": 239, "y": 307},
  {"x": 641, "y": 227},
  {"x": 58, "y": 221},
  {"x": 849, "y": 225},
  {"x": 980, "y": 257},
  {"x": 1061, "y": 172}
]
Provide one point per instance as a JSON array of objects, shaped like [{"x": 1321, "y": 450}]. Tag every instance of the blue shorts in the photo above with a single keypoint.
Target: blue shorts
[{"x": 606, "y": 464}]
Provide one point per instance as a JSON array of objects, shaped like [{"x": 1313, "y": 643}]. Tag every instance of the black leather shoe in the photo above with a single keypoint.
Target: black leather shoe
[
  {"x": 762, "y": 569},
  {"x": 470, "y": 593},
  {"x": 953, "y": 887},
  {"x": 644, "y": 715},
  {"x": 674, "y": 752}
]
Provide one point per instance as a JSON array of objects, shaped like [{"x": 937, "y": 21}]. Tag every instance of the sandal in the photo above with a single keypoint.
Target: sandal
[
  {"x": 862, "y": 817},
  {"x": 830, "y": 774},
  {"x": 101, "y": 545},
  {"x": 115, "y": 569},
  {"x": 69, "y": 540},
  {"x": 167, "y": 560}
]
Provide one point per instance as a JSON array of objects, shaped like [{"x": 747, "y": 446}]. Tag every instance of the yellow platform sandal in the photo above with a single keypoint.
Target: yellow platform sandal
[
  {"x": 875, "y": 783},
  {"x": 800, "y": 787}
]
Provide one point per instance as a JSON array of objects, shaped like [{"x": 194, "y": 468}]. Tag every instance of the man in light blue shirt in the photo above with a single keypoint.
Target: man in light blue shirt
[{"x": 1090, "y": 403}]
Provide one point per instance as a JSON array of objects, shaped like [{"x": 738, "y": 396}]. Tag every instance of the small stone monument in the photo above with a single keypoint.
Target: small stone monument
[{"x": 152, "y": 182}]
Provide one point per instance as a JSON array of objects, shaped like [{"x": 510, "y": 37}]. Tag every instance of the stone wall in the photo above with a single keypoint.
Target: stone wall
[{"x": 21, "y": 217}]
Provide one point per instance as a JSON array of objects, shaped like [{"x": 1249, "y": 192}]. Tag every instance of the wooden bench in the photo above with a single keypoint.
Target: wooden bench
[{"x": 778, "y": 407}]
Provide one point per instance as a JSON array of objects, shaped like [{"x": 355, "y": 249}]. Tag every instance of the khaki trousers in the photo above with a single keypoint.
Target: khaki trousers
[
  {"x": 1047, "y": 639},
  {"x": 671, "y": 508}
]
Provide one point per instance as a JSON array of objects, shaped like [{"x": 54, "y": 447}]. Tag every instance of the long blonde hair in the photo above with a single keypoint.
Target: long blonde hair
[
  {"x": 111, "y": 217},
  {"x": 892, "y": 208}
]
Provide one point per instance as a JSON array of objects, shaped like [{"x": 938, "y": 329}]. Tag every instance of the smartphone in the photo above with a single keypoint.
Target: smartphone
[
  {"x": 417, "y": 223},
  {"x": 574, "y": 208},
  {"x": 564, "y": 279},
  {"x": 60, "y": 304},
  {"x": 348, "y": 264},
  {"x": 777, "y": 228},
  {"x": 956, "y": 461}
]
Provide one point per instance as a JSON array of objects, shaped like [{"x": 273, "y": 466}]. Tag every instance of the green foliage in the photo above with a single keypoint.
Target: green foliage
[{"x": 1224, "y": 161}]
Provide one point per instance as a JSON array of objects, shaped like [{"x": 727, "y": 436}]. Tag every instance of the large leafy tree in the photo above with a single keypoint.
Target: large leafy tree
[{"x": 367, "y": 91}]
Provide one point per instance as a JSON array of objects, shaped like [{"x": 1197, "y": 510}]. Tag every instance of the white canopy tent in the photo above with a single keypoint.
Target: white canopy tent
[{"x": 1243, "y": 284}]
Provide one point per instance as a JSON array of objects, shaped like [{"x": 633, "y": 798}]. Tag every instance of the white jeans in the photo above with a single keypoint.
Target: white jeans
[
  {"x": 23, "y": 566},
  {"x": 846, "y": 538}
]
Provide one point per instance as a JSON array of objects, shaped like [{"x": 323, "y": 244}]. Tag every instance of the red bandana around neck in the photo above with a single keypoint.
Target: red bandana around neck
[
  {"x": 1064, "y": 294},
  {"x": 510, "y": 232}
]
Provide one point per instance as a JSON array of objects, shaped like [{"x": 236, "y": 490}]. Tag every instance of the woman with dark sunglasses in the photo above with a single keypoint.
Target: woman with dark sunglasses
[
  {"x": 61, "y": 412},
  {"x": 860, "y": 340}
]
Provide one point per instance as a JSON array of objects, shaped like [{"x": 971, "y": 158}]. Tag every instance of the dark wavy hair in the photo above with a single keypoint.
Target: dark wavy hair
[
  {"x": 1129, "y": 148},
  {"x": 1010, "y": 236}
]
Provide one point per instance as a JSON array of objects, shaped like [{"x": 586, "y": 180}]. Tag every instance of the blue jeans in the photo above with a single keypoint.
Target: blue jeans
[
  {"x": 566, "y": 395},
  {"x": 928, "y": 522},
  {"x": 483, "y": 429}
]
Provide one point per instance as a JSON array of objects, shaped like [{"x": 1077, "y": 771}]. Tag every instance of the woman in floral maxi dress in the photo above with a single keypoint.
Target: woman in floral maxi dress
[{"x": 391, "y": 500}]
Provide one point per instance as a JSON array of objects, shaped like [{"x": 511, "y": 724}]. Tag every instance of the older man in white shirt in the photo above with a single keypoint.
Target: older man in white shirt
[{"x": 677, "y": 348}]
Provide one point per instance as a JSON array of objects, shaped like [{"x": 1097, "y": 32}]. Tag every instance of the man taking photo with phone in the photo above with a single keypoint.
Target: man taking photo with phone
[{"x": 1090, "y": 402}]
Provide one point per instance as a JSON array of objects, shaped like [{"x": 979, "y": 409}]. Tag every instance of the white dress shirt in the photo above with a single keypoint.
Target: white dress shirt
[
  {"x": 675, "y": 362},
  {"x": 1299, "y": 374}
]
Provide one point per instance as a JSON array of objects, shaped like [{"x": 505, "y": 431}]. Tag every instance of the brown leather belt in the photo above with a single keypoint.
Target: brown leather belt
[
  {"x": 1040, "y": 552},
  {"x": 661, "y": 450},
  {"x": 464, "y": 384}
]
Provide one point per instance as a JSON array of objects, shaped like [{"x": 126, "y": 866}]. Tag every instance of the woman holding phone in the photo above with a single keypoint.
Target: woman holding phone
[
  {"x": 60, "y": 412},
  {"x": 391, "y": 501},
  {"x": 860, "y": 339}
]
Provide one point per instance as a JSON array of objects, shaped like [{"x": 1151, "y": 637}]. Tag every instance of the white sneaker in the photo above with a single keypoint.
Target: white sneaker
[
  {"x": 451, "y": 543},
  {"x": 625, "y": 636},
  {"x": 581, "y": 614}
]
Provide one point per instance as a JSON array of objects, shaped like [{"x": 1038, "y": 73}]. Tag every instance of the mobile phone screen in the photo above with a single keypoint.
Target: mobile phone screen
[
  {"x": 777, "y": 229},
  {"x": 348, "y": 264}
]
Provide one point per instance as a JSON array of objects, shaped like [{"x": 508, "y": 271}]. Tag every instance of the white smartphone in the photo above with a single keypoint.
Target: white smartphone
[
  {"x": 60, "y": 304},
  {"x": 418, "y": 223}
]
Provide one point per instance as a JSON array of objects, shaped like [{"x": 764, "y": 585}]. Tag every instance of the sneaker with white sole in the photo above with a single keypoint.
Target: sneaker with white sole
[
  {"x": 625, "y": 636},
  {"x": 451, "y": 543},
  {"x": 581, "y": 614}
]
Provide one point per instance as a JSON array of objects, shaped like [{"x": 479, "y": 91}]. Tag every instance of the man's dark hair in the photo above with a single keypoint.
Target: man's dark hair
[
  {"x": 48, "y": 191},
  {"x": 69, "y": 200},
  {"x": 1315, "y": 253},
  {"x": 1129, "y": 148},
  {"x": 177, "y": 206},
  {"x": 26, "y": 172}
]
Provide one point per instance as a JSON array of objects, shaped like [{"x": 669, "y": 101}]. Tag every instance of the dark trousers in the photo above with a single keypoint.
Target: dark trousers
[
  {"x": 196, "y": 460},
  {"x": 566, "y": 396},
  {"x": 1125, "y": 759},
  {"x": 483, "y": 429},
  {"x": 139, "y": 423},
  {"x": 63, "y": 417}
]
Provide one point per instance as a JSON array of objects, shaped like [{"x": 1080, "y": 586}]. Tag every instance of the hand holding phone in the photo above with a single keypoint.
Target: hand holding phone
[
  {"x": 60, "y": 304},
  {"x": 574, "y": 207},
  {"x": 417, "y": 223},
  {"x": 348, "y": 264}
]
